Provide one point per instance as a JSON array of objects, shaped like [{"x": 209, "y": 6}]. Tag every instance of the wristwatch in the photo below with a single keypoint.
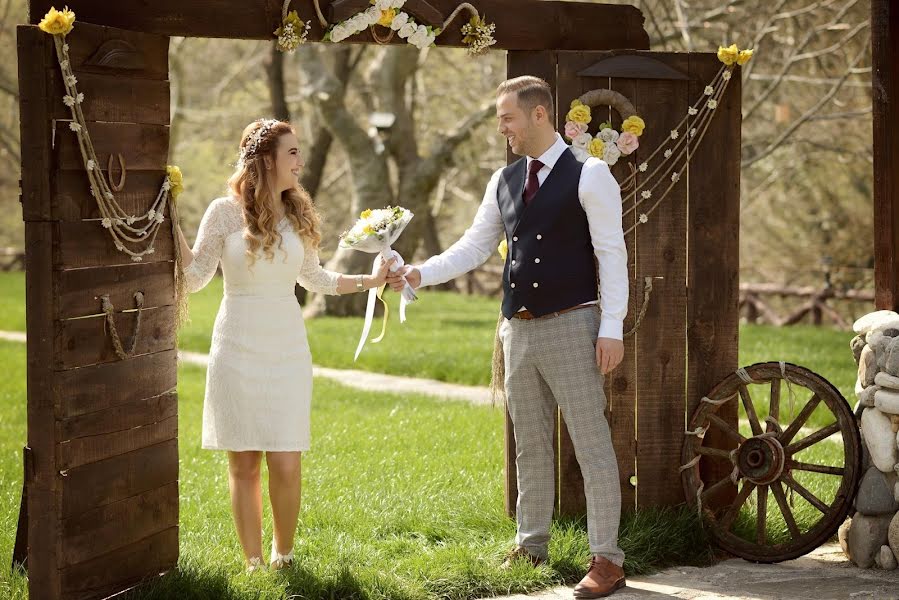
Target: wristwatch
[{"x": 359, "y": 285}]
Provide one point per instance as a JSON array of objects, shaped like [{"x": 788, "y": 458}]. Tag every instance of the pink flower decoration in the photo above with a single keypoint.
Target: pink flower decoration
[
  {"x": 574, "y": 129},
  {"x": 627, "y": 143}
]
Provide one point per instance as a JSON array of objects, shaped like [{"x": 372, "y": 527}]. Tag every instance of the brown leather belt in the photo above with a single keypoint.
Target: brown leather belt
[{"x": 528, "y": 315}]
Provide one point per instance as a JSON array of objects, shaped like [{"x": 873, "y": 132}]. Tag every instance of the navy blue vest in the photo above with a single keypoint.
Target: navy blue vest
[{"x": 550, "y": 265}]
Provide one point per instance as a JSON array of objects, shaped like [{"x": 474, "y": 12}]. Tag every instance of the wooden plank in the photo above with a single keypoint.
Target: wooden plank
[
  {"x": 87, "y": 244},
  {"x": 113, "y": 98},
  {"x": 43, "y": 481},
  {"x": 520, "y": 24},
  {"x": 104, "y": 386},
  {"x": 73, "y": 201},
  {"x": 119, "y": 418},
  {"x": 661, "y": 339},
  {"x": 85, "y": 450},
  {"x": 620, "y": 387},
  {"x": 543, "y": 65},
  {"x": 33, "y": 125},
  {"x": 79, "y": 290},
  {"x": 143, "y": 147},
  {"x": 106, "y": 574},
  {"x": 885, "y": 91},
  {"x": 123, "y": 476},
  {"x": 83, "y": 342},
  {"x": 117, "y": 525},
  {"x": 714, "y": 260},
  {"x": 94, "y": 48}
]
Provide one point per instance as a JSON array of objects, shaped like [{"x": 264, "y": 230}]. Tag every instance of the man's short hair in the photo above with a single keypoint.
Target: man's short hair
[{"x": 531, "y": 92}]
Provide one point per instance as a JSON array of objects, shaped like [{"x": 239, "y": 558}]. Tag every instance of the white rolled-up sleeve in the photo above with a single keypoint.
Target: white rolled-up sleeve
[
  {"x": 474, "y": 247},
  {"x": 600, "y": 196}
]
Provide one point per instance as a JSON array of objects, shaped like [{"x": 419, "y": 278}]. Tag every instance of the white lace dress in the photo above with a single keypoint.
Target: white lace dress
[{"x": 259, "y": 379}]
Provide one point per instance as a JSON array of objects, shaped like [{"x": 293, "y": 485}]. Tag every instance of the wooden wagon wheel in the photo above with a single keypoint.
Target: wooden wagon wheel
[{"x": 764, "y": 460}]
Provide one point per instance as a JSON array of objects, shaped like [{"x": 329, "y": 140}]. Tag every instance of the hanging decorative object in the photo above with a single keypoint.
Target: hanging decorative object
[{"x": 134, "y": 235}]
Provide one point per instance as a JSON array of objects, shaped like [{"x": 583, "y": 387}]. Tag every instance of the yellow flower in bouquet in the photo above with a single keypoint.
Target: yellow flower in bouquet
[
  {"x": 176, "y": 181},
  {"x": 728, "y": 55},
  {"x": 579, "y": 114},
  {"x": 744, "y": 57},
  {"x": 633, "y": 124},
  {"x": 57, "y": 22},
  {"x": 365, "y": 214},
  {"x": 387, "y": 17}
]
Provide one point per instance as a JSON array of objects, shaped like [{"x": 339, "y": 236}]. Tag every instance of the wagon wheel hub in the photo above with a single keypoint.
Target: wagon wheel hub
[{"x": 761, "y": 460}]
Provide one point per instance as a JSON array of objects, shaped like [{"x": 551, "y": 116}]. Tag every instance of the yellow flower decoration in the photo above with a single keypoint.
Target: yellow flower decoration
[
  {"x": 576, "y": 102},
  {"x": 365, "y": 214},
  {"x": 633, "y": 124},
  {"x": 728, "y": 55},
  {"x": 503, "y": 249},
  {"x": 579, "y": 114},
  {"x": 596, "y": 148},
  {"x": 57, "y": 22},
  {"x": 176, "y": 180},
  {"x": 744, "y": 57},
  {"x": 387, "y": 17}
]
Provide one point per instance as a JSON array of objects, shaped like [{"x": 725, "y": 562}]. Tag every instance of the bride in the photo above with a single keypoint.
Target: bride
[{"x": 266, "y": 235}]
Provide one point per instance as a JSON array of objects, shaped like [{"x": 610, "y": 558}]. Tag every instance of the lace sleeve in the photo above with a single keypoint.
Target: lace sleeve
[
  {"x": 313, "y": 277},
  {"x": 207, "y": 250}
]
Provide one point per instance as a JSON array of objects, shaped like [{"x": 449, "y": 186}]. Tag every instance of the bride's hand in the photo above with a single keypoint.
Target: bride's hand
[{"x": 383, "y": 269}]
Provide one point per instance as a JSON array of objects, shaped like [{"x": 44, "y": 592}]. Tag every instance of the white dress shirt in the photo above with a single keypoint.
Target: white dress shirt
[{"x": 600, "y": 198}]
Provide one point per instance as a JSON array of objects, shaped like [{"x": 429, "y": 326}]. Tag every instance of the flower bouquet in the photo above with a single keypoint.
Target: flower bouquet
[{"x": 374, "y": 232}]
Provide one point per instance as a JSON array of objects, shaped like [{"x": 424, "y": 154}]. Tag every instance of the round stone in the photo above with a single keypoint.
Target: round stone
[
  {"x": 885, "y": 559},
  {"x": 880, "y": 439},
  {"x": 872, "y": 320},
  {"x": 867, "y": 367},
  {"x": 886, "y": 401}
]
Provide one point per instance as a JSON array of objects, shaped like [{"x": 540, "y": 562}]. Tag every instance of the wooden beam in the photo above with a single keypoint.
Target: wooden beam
[
  {"x": 520, "y": 24},
  {"x": 885, "y": 88}
]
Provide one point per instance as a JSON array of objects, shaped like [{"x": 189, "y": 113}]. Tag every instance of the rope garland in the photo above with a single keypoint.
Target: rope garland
[
  {"x": 113, "y": 331},
  {"x": 455, "y": 13}
]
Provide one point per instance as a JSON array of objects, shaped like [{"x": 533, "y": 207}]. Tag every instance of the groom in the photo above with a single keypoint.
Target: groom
[{"x": 559, "y": 338}]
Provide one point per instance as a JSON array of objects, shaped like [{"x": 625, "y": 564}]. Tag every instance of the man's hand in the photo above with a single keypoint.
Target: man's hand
[
  {"x": 609, "y": 353},
  {"x": 413, "y": 276}
]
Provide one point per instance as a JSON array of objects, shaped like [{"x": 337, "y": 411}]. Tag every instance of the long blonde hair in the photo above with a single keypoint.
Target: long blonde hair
[{"x": 253, "y": 185}]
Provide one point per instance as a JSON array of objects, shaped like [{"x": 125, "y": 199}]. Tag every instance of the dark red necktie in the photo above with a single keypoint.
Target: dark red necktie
[{"x": 533, "y": 184}]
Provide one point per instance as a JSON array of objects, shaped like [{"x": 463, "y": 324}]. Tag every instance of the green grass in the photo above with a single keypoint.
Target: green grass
[
  {"x": 402, "y": 499},
  {"x": 402, "y": 494},
  {"x": 449, "y": 337}
]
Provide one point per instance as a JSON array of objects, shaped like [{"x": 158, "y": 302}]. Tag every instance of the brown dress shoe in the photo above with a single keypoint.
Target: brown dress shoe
[
  {"x": 603, "y": 579},
  {"x": 520, "y": 553}
]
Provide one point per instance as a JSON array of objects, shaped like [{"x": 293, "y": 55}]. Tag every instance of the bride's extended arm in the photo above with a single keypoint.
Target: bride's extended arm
[
  {"x": 316, "y": 279},
  {"x": 200, "y": 263}
]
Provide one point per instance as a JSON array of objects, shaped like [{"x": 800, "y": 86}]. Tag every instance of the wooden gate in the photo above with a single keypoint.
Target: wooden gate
[
  {"x": 101, "y": 478},
  {"x": 687, "y": 341}
]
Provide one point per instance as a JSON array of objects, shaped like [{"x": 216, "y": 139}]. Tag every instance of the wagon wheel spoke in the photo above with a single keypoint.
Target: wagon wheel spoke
[
  {"x": 715, "y": 487},
  {"x": 728, "y": 519},
  {"x": 714, "y": 452},
  {"x": 814, "y": 438},
  {"x": 802, "y": 491},
  {"x": 761, "y": 537},
  {"x": 800, "y": 420},
  {"x": 826, "y": 469},
  {"x": 774, "y": 406},
  {"x": 750, "y": 410},
  {"x": 727, "y": 429},
  {"x": 781, "y": 499}
]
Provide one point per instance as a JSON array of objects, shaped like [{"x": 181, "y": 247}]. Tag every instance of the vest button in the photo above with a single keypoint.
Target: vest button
[
  {"x": 515, "y": 238},
  {"x": 539, "y": 237},
  {"x": 511, "y": 285},
  {"x": 513, "y": 261},
  {"x": 536, "y": 284},
  {"x": 537, "y": 260}
]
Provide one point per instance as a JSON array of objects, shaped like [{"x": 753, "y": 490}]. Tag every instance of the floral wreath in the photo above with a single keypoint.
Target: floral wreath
[
  {"x": 609, "y": 144},
  {"x": 477, "y": 32}
]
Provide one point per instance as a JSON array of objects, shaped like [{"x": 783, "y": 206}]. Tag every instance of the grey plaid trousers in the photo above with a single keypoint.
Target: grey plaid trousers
[{"x": 552, "y": 361}]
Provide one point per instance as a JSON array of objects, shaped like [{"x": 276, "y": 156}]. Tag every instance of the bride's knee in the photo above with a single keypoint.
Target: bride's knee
[
  {"x": 283, "y": 466},
  {"x": 244, "y": 466}
]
